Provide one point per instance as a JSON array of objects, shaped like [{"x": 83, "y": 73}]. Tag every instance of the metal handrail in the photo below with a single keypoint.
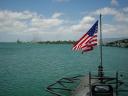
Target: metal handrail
[{"x": 61, "y": 82}]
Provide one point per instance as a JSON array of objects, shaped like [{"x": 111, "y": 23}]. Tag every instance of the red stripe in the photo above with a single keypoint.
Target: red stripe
[
  {"x": 80, "y": 39},
  {"x": 91, "y": 45},
  {"x": 91, "y": 40},
  {"x": 94, "y": 40},
  {"x": 87, "y": 50},
  {"x": 79, "y": 43},
  {"x": 95, "y": 35},
  {"x": 85, "y": 40},
  {"x": 83, "y": 43},
  {"x": 77, "y": 46}
]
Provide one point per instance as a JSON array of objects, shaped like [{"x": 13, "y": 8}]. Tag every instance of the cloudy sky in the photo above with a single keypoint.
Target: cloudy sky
[{"x": 41, "y": 20}]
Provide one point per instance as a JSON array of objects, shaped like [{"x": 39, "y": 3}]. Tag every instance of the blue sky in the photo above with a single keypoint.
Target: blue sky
[
  {"x": 39, "y": 20},
  {"x": 71, "y": 8}
]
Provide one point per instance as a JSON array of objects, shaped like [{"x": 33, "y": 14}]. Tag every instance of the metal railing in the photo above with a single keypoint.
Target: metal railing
[{"x": 63, "y": 85}]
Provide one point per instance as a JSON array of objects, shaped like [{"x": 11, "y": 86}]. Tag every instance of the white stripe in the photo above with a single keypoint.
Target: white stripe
[
  {"x": 85, "y": 43},
  {"x": 89, "y": 38},
  {"x": 81, "y": 41},
  {"x": 90, "y": 43}
]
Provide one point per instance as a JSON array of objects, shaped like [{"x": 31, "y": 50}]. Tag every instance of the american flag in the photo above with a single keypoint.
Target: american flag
[{"x": 88, "y": 41}]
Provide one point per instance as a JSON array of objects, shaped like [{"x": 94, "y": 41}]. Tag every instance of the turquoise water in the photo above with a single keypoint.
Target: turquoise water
[{"x": 27, "y": 69}]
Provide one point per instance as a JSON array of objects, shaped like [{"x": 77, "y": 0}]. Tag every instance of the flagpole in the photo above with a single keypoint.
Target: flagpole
[
  {"x": 101, "y": 42},
  {"x": 100, "y": 67}
]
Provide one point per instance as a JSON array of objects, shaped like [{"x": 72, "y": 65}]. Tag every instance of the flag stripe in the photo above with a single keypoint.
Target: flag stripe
[
  {"x": 88, "y": 41},
  {"x": 93, "y": 39},
  {"x": 84, "y": 41},
  {"x": 80, "y": 39},
  {"x": 79, "y": 43},
  {"x": 89, "y": 45}
]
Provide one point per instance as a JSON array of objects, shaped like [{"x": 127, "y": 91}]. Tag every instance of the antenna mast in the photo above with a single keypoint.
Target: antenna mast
[{"x": 100, "y": 67}]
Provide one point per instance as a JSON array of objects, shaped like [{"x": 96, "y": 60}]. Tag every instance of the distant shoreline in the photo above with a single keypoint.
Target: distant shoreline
[
  {"x": 48, "y": 42},
  {"x": 118, "y": 43}
]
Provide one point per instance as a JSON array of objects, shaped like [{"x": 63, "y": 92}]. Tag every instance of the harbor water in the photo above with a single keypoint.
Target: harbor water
[{"x": 27, "y": 69}]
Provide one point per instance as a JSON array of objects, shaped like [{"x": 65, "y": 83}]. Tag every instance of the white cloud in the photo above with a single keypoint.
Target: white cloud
[
  {"x": 115, "y": 30},
  {"x": 45, "y": 23},
  {"x": 16, "y": 15},
  {"x": 120, "y": 19},
  {"x": 125, "y": 9},
  {"x": 28, "y": 19},
  {"x": 56, "y": 15},
  {"x": 83, "y": 24},
  {"x": 87, "y": 19},
  {"x": 31, "y": 26},
  {"x": 26, "y": 23},
  {"x": 119, "y": 15},
  {"x": 114, "y": 2},
  {"x": 105, "y": 11}
]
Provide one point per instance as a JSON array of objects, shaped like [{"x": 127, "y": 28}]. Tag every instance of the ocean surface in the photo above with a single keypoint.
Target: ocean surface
[{"x": 27, "y": 69}]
